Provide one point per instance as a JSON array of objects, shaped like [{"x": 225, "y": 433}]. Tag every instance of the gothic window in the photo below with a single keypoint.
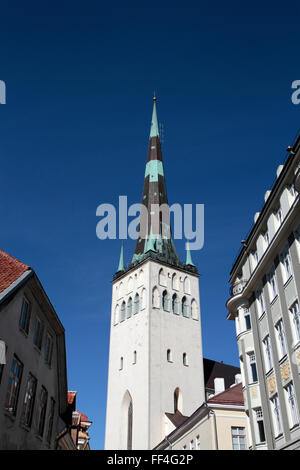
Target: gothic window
[
  {"x": 141, "y": 278},
  {"x": 175, "y": 282},
  {"x": 187, "y": 286},
  {"x": 175, "y": 304},
  {"x": 165, "y": 301},
  {"x": 144, "y": 299},
  {"x": 177, "y": 400},
  {"x": 155, "y": 298},
  {"x": 162, "y": 278},
  {"x": 184, "y": 307},
  {"x": 129, "y": 307},
  {"x": 123, "y": 311},
  {"x": 194, "y": 308},
  {"x": 136, "y": 303},
  {"x": 116, "y": 317},
  {"x": 129, "y": 427},
  {"x": 130, "y": 285},
  {"x": 120, "y": 290}
]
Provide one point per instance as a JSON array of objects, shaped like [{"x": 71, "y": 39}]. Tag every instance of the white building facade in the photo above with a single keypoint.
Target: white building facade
[
  {"x": 155, "y": 357},
  {"x": 264, "y": 304}
]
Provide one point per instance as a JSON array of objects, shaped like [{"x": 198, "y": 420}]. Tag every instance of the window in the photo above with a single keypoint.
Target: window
[
  {"x": 260, "y": 302},
  {"x": 165, "y": 301},
  {"x": 184, "y": 447},
  {"x": 292, "y": 191},
  {"x": 129, "y": 307},
  {"x": 42, "y": 411},
  {"x": 175, "y": 282},
  {"x": 121, "y": 363},
  {"x": 29, "y": 398},
  {"x": 175, "y": 304},
  {"x": 134, "y": 357},
  {"x": 162, "y": 278},
  {"x": 13, "y": 388},
  {"x": 38, "y": 333},
  {"x": 272, "y": 284},
  {"x": 25, "y": 316},
  {"x": 123, "y": 311},
  {"x": 184, "y": 307},
  {"x": 129, "y": 427},
  {"x": 266, "y": 239},
  {"x": 198, "y": 442},
  {"x": 268, "y": 354},
  {"x": 177, "y": 398},
  {"x": 192, "y": 445},
  {"x": 3, "y": 348},
  {"x": 48, "y": 349},
  {"x": 260, "y": 425},
  {"x": 286, "y": 265},
  {"x": 51, "y": 420},
  {"x": 169, "y": 355},
  {"x": 155, "y": 298},
  {"x": 279, "y": 216},
  {"x": 281, "y": 338},
  {"x": 276, "y": 415},
  {"x": 291, "y": 405},
  {"x": 194, "y": 309},
  {"x": 255, "y": 257},
  {"x": 185, "y": 359},
  {"x": 247, "y": 319},
  {"x": 186, "y": 286},
  {"x": 252, "y": 362},
  {"x": 296, "y": 320},
  {"x": 238, "y": 438},
  {"x": 136, "y": 303}
]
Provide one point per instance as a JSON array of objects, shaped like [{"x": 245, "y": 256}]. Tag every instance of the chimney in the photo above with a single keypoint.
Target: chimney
[
  {"x": 238, "y": 378},
  {"x": 219, "y": 385}
]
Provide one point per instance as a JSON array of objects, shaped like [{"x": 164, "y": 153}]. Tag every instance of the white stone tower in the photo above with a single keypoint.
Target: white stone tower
[{"x": 155, "y": 357}]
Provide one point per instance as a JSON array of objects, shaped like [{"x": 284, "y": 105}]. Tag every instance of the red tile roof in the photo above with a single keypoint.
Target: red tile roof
[
  {"x": 10, "y": 270},
  {"x": 231, "y": 396},
  {"x": 83, "y": 418}
]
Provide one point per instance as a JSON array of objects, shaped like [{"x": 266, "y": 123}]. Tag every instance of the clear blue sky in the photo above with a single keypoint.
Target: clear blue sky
[{"x": 74, "y": 134}]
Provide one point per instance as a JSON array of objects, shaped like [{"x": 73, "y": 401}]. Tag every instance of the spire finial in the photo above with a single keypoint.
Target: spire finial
[
  {"x": 121, "y": 261},
  {"x": 154, "y": 132},
  {"x": 188, "y": 255}
]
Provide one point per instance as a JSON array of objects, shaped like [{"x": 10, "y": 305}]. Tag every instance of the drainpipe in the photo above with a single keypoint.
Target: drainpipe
[
  {"x": 169, "y": 443},
  {"x": 215, "y": 428}
]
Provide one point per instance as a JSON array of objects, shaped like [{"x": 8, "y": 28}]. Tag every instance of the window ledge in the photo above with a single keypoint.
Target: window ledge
[
  {"x": 296, "y": 345},
  {"x": 272, "y": 302},
  {"x": 23, "y": 332},
  {"x": 270, "y": 372},
  {"x": 282, "y": 359},
  {"x": 286, "y": 283}
]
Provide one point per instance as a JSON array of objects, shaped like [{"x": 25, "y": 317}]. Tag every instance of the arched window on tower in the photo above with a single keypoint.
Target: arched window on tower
[
  {"x": 175, "y": 282},
  {"x": 185, "y": 359},
  {"x": 162, "y": 278},
  {"x": 187, "y": 286},
  {"x": 155, "y": 298},
  {"x": 129, "y": 307},
  {"x": 169, "y": 355},
  {"x": 134, "y": 357},
  {"x": 123, "y": 311},
  {"x": 184, "y": 307},
  {"x": 194, "y": 308},
  {"x": 136, "y": 303},
  {"x": 175, "y": 304},
  {"x": 165, "y": 301},
  {"x": 177, "y": 400},
  {"x": 116, "y": 317},
  {"x": 129, "y": 427}
]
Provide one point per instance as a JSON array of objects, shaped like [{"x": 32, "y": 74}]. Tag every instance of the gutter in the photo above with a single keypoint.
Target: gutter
[{"x": 14, "y": 286}]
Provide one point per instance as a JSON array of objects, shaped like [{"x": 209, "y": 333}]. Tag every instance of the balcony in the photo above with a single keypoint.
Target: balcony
[{"x": 237, "y": 287}]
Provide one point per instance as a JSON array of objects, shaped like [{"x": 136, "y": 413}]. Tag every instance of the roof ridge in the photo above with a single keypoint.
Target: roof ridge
[
  {"x": 12, "y": 258},
  {"x": 229, "y": 389}
]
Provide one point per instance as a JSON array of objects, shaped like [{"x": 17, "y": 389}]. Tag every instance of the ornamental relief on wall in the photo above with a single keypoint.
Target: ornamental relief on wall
[{"x": 271, "y": 384}]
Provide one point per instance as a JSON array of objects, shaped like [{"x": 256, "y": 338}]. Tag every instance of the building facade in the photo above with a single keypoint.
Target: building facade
[
  {"x": 155, "y": 357},
  {"x": 218, "y": 424},
  {"x": 33, "y": 379},
  {"x": 264, "y": 303}
]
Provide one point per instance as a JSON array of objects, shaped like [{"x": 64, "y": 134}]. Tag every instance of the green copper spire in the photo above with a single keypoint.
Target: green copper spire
[
  {"x": 121, "y": 261},
  {"x": 154, "y": 132},
  {"x": 188, "y": 255}
]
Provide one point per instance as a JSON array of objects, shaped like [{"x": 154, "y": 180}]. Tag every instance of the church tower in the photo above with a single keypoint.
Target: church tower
[{"x": 155, "y": 357}]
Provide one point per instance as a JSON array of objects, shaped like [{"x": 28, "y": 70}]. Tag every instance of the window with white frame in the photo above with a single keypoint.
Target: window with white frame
[
  {"x": 266, "y": 238},
  {"x": 198, "y": 442},
  {"x": 281, "y": 338},
  {"x": 260, "y": 302},
  {"x": 276, "y": 415},
  {"x": 192, "y": 445},
  {"x": 278, "y": 216},
  {"x": 291, "y": 405},
  {"x": 247, "y": 318},
  {"x": 255, "y": 258},
  {"x": 253, "y": 370},
  {"x": 292, "y": 191},
  {"x": 286, "y": 265},
  {"x": 273, "y": 291},
  {"x": 261, "y": 437},
  {"x": 268, "y": 353},
  {"x": 238, "y": 438},
  {"x": 295, "y": 313}
]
